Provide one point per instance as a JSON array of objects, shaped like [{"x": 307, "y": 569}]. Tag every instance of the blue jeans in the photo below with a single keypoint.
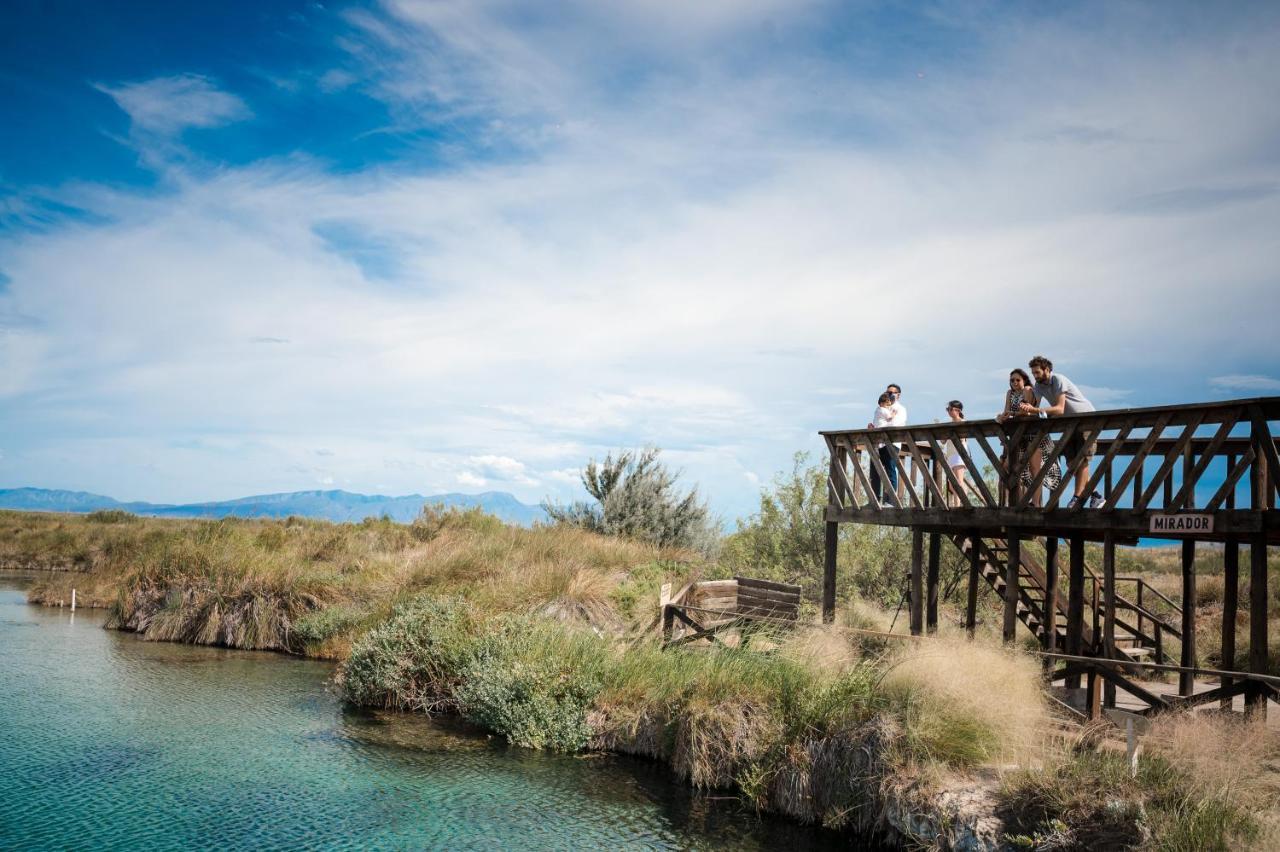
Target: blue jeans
[{"x": 888, "y": 458}]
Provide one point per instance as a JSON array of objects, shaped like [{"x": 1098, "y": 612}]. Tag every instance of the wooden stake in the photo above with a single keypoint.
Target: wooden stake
[{"x": 1051, "y": 593}]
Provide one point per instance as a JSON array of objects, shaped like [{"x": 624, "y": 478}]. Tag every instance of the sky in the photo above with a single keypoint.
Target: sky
[{"x": 428, "y": 246}]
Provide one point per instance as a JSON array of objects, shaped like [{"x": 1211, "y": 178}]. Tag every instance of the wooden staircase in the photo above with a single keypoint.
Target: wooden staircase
[{"x": 1131, "y": 643}]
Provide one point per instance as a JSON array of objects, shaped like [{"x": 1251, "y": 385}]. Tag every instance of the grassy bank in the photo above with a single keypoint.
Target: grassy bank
[{"x": 530, "y": 634}]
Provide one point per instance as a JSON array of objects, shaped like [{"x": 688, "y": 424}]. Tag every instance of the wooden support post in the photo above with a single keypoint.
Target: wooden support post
[
  {"x": 1109, "y": 618},
  {"x": 1075, "y": 602},
  {"x": 1050, "y": 625},
  {"x": 1256, "y": 699},
  {"x": 1187, "y": 680},
  {"x": 1093, "y": 695},
  {"x": 830, "y": 540},
  {"x": 916, "y": 590},
  {"x": 975, "y": 574},
  {"x": 1230, "y": 608},
  {"x": 931, "y": 584},
  {"x": 1012, "y": 568}
]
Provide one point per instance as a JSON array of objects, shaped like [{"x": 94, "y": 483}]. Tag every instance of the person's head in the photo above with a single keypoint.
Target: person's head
[
  {"x": 955, "y": 409},
  {"x": 1018, "y": 379},
  {"x": 886, "y": 399},
  {"x": 1041, "y": 368},
  {"x": 894, "y": 389}
]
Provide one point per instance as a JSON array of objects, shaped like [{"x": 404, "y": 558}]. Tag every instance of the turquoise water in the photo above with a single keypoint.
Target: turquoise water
[{"x": 109, "y": 742}]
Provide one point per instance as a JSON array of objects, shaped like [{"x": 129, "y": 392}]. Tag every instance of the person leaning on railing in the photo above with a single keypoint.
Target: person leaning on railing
[
  {"x": 1020, "y": 394},
  {"x": 1065, "y": 398}
]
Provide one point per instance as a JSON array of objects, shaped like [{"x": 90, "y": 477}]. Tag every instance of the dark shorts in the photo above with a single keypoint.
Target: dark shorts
[{"x": 1086, "y": 439}]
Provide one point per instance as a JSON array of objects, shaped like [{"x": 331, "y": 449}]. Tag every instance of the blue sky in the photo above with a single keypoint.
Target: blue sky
[{"x": 433, "y": 246}]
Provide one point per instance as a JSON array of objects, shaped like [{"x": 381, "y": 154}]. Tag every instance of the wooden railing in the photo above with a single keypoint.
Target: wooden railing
[{"x": 1215, "y": 458}]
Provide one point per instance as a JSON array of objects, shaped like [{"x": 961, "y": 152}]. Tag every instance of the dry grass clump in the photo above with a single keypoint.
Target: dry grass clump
[
  {"x": 944, "y": 692},
  {"x": 1204, "y": 783},
  {"x": 300, "y": 584}
]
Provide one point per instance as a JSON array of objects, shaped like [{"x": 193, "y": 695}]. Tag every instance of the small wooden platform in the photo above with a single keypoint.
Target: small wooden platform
[{"x": 707, "y": 609}]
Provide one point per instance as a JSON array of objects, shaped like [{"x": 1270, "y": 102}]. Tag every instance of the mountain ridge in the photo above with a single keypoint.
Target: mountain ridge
[{"x": 330, "y": 505}]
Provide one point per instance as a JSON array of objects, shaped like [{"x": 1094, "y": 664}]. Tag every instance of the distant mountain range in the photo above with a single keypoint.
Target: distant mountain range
[{"x": 327, "y": 505}]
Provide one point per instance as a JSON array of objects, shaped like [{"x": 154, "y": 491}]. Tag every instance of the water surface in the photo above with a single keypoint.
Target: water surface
[{"x": 110, "y": 742}]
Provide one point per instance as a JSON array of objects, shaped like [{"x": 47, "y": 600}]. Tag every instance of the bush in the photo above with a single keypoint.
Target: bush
[
  {"x": 435, "y": 518},
  {"x": 414, "y": 660},
  {"x": 636, "y": 497},
  {"x": 534, "y": 681},
  {"x": 111, "y": 516}
]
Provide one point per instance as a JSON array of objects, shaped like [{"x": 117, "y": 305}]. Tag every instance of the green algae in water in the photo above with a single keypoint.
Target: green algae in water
[{"x": 110, "y": 742}]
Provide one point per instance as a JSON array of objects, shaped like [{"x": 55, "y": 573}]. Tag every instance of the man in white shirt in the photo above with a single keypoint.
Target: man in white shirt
[{"x": 894, "y": 413}]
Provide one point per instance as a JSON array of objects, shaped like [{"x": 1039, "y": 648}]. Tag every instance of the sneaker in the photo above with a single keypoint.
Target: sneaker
[
  {"x": 1096, "y": 501},
  {"x": 1074, "y": 503}
]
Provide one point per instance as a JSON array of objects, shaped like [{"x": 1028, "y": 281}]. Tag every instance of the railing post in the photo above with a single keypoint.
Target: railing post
[
  {"x": 1187, "y": 680},
  {"x": 917, "y": 581},
  {"x": 1012, "y": 569},
  {"x": 830, "y": 542},
  {"x": 1075, "y": 602},
  {"x": 931, "y": 584},
  {"x": 1140, "y": 584},
  {"x": 1230, "y": 609}
]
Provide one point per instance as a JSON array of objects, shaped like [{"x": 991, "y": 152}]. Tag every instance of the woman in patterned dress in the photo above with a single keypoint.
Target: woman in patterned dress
[{"x": 1020, "y": 392}]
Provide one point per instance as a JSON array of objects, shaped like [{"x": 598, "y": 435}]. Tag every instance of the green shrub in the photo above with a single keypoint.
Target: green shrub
[
  {"x": 111, "y": 516},
  {"x": 415, "y": 659},
  {"x": 534, "y": 681}
]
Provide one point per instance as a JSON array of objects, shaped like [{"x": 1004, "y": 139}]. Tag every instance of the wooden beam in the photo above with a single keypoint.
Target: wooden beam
[
  {"x": 1186, "y": 680},
  {"x": 830, "y": 542},
  {"x": 1230, "y": 609},
  {"x": 1258, "y": 652},
  {"x": 1050, "y": 625},
  {"x": 931, "y": 584},
  {"x": 1075, "y": 602},
  {"x": 978, "y": 482},
  {"x": 1163, "y": 476},
  {"x": 975, "y": 574},
  {"x": 916, "y": 588},
  {"x": 1135, "y": 465},
  {"x": 1186, "y": 495},
  {"x": 1227, "y": 492},
  {"x": 1011, "y": 586}
]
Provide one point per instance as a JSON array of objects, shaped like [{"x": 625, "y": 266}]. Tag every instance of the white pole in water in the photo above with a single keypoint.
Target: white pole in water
[{"x": 73, "y": 600}]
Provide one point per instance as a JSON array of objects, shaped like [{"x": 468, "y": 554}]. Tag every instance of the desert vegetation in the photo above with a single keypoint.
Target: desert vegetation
[{"x": 544, "y": 636}]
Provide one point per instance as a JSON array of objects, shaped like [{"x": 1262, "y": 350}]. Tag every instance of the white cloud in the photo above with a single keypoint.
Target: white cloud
[
  {"x": 469, "y": 480},
  {"x": 1245, "y": 383},
  {"x": 169, "y": 105}
]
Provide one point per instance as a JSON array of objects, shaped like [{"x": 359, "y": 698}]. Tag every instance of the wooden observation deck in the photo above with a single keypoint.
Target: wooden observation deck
[{"x": 1205, "y": 472}]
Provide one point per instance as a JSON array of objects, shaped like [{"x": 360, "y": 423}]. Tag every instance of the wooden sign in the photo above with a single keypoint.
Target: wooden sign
[{"x": 1181, "y": 523}]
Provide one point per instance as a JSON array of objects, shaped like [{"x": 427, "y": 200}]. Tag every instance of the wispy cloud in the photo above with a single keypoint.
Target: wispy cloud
[
  {"x": 169, "y": 105},
  {"x": 1245, "y": 383}
]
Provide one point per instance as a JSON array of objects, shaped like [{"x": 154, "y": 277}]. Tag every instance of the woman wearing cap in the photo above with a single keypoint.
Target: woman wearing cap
[{"x": 955, "y": 410}]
